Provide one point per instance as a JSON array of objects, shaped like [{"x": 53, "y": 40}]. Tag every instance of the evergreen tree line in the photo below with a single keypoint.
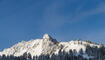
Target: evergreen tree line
[{"x": 94, "y": 53}]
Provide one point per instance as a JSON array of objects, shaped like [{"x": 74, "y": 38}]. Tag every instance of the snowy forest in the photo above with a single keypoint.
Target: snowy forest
[{"x": 93, "y": 53}]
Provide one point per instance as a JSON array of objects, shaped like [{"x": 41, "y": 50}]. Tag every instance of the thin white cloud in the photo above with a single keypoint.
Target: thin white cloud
[
  {"x": 53, "y": 20},
  {"x": 98, "y": 10}
]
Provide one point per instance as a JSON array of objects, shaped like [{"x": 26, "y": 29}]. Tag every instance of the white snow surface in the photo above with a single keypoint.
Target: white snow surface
[{"x": 46, "y": 45}]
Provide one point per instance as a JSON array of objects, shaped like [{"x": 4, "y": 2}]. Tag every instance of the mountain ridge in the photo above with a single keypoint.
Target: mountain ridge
[{"x": 49, "y": 46}]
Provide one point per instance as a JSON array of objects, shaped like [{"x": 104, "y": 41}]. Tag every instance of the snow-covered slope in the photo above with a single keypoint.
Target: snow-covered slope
[{"x": 48, "y": 45}]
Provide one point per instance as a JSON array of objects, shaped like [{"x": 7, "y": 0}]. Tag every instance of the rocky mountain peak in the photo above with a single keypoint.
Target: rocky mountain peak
[
  {"x": 46, "y": 36},
  {"x": 48, "y": 44}
]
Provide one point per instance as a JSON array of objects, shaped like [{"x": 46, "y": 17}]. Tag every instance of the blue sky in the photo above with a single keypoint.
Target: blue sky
[{"x": 64, "y": 20}]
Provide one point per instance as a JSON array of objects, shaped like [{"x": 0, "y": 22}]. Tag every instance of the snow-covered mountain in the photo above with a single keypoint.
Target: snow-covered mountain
[{"x": 49, "y": 47}]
